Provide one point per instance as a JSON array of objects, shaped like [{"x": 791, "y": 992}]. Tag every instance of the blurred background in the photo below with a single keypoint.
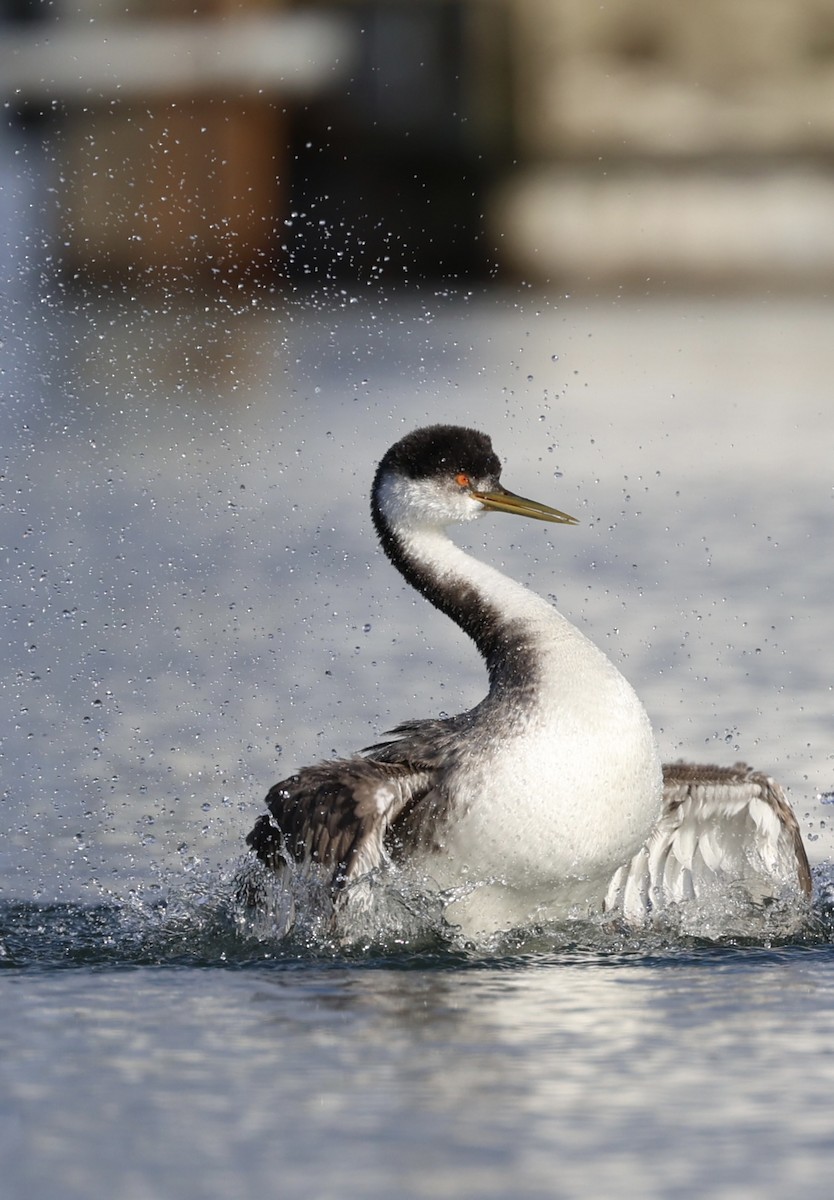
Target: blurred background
[
  {"x": 551, "y": 140},
  {"x": 245, "y": 245}
]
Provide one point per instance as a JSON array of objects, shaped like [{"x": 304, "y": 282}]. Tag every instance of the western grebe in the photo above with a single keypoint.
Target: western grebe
[{"x": 548, "y": 797}]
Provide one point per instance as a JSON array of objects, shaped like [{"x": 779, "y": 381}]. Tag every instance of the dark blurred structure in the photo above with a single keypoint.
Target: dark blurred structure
[{"x": 392, "y": 171}]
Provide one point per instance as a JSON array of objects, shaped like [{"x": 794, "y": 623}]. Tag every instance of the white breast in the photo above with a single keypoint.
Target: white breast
[{"x": 551, "y": 798}]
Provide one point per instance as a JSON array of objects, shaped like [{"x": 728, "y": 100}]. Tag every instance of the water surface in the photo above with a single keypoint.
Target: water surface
[{"x": 139, "y": 1063}]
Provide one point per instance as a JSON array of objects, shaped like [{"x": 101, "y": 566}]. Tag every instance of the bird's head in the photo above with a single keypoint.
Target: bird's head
[{"x": 444, "y": 474}]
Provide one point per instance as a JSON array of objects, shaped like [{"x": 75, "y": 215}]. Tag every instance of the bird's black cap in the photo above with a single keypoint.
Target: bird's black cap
[{"x": 443, "y": 450}]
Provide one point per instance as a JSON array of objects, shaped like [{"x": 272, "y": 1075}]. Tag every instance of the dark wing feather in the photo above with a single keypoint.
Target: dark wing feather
[
  {"x": 336, "y": 815},
  {"x": 430, "y": 744},
  {"x": 719, "y": 825}
]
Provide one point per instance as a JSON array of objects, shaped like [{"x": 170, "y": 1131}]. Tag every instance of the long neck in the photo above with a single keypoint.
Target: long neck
[{"x": 501, "y": 616}]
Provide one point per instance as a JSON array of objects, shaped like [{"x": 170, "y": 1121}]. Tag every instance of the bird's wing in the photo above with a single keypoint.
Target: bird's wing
[
  {"x": 720, "y": 827},
  {"x": 336, "y": 815}
]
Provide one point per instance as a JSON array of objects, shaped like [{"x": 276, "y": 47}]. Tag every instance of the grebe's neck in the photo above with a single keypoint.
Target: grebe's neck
[{"x": 503, "y": 618}]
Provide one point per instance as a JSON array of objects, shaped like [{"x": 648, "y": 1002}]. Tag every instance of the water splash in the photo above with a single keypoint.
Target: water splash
[{"x": 203, "y": 922}]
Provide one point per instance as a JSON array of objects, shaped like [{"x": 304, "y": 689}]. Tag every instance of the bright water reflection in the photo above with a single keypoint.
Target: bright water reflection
[{"x": 697, "y": 1074}]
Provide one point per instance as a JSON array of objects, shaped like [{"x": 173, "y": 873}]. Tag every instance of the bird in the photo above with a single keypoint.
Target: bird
[{"x": 546, "y": 799}]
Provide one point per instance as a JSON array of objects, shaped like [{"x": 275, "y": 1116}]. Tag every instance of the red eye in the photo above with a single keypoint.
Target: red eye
[{"x": 462, "y": 480}]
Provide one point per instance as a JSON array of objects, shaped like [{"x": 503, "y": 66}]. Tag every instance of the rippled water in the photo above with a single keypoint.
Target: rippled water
[
  {"x": 152, "y": 1052},
  {"x": 193, "y": 604}
]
